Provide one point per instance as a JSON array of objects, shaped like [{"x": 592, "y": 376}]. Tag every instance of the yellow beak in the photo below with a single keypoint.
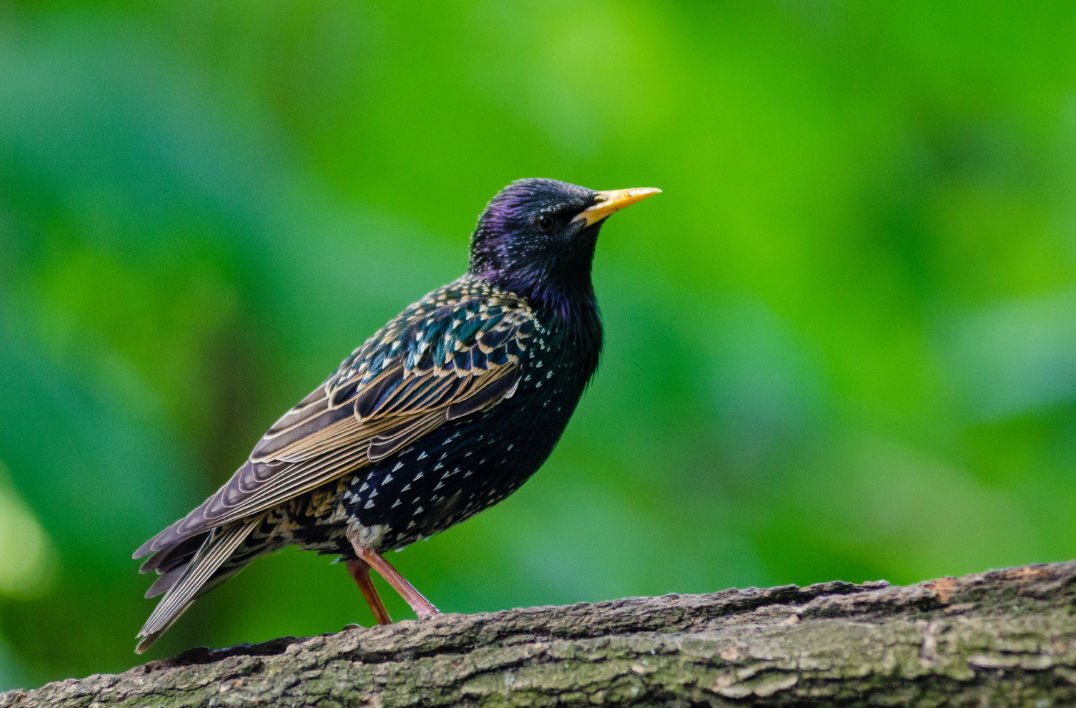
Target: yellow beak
[{"x": 613, "y": 200}]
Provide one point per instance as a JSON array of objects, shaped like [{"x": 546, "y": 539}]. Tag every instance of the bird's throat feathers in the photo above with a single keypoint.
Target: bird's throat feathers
[
  {"x": 557, "y": 281},
  {"x": 562, "y": 295},
  {"x": 557, "y": 286}
]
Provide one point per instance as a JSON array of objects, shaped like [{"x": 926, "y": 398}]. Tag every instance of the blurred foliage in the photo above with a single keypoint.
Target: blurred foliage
[{"x": 841, "y": 345}]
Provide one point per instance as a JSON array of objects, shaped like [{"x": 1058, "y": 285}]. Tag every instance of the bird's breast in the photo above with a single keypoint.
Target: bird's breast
[{"x": 469, "y": 464}]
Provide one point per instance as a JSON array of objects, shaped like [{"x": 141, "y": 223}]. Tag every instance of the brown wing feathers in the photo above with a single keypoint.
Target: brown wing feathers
[{"x": 216, "y": 549}]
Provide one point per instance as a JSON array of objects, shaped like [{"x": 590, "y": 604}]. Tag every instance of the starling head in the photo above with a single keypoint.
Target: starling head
[{"x": 537, "y": 238}]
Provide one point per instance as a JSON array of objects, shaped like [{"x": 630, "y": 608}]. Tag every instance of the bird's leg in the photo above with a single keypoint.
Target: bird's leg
[
  {"x": 360, "y": 573},
  {"x": 414, "y": 598}
]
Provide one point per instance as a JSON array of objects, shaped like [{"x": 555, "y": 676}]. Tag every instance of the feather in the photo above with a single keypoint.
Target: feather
[{"x": 216, "y": 549}]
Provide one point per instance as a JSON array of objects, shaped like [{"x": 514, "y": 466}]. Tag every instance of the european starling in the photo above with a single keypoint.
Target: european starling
[{"x": 445, "y": 411}]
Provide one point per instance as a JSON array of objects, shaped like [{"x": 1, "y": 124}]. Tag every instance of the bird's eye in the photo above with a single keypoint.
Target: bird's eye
[{"x": 544, "y": 222}]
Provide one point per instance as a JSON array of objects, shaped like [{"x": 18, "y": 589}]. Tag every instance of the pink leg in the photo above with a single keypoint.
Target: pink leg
[
  {"x": 414, "y": 598},
  {"x": 360, "y": 573}
]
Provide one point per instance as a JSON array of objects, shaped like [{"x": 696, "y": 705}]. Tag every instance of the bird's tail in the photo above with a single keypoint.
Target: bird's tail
[{"x": 189, "y": 570}]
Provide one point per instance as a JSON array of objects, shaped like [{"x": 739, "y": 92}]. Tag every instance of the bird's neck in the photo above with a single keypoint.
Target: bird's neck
[
  {"x": 564, "y": 303},
  {"x": 569, "y": 310},
  {"x": 557, "y": 297}
]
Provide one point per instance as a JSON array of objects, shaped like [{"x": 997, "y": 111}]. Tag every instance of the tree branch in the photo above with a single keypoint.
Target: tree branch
[{"x": 1000, "y": 637}]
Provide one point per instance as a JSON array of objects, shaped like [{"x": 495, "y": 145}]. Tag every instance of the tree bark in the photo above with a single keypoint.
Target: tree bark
[{"x": 1003, "y": 637}]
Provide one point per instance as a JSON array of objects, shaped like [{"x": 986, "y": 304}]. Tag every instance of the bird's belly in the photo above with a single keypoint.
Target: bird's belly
[
  {"x": 314, "y": 521},
  {"x": 451, "y": 474}
]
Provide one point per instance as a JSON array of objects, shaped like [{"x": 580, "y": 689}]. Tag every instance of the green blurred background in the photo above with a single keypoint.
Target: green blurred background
[{"x": 842, "y": 344}]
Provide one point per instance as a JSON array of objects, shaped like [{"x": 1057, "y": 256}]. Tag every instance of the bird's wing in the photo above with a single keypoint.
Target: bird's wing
[{"x": 440, "y": 360}]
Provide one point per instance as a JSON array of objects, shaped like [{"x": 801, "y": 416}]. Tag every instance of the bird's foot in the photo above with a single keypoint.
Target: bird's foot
[{"x": 424, "y": 610}]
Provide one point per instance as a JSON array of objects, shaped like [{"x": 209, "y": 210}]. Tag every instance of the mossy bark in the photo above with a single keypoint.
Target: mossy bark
[{"x": 1004, "y": 637}]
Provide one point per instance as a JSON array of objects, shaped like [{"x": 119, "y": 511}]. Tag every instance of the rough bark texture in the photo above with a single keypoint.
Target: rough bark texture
[{"x": 1004, "y": 637}]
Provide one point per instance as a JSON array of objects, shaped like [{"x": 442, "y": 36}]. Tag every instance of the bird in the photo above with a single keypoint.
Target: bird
[{"x": 443, "y": 412}]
